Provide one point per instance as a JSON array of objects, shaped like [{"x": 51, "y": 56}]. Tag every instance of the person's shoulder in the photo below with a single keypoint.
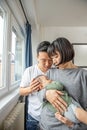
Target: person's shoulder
[
  {"x": 31, "y": 68},
  {"x": 80, "y": 72},
  {"x": 83, "y": 72}
]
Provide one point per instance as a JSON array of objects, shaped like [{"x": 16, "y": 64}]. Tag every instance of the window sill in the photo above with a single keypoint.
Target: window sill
[
  {"x": 6, "y": 100},
  {"x": 7, "y": 103}
]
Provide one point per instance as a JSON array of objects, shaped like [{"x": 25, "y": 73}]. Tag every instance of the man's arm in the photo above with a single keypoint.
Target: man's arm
[{"x": 33, "y": 87}]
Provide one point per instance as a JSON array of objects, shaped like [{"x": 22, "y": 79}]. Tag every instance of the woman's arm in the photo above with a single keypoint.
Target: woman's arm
[{"x": 54, "y": 97}]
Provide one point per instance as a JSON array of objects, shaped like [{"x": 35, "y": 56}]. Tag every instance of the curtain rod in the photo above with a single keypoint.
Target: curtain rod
[{"x": 23, "y": 11}]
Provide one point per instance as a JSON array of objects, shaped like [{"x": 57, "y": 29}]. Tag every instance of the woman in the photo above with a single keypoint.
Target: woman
[{"x": 74, "y": 80}]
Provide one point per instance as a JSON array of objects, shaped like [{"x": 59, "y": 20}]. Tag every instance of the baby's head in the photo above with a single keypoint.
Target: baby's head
[{"x": 44, "y": 80}]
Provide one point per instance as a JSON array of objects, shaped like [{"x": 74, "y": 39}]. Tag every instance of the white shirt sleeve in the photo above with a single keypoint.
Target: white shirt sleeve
[{"x": 25, "y": 78}]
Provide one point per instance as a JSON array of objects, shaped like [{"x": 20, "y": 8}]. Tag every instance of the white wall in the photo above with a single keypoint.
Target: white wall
[
  {"x": 74, "y": 34},
  {"x": 36, "y": 39}
]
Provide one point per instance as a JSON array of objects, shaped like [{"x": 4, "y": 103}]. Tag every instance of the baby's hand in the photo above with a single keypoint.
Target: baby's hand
[{"x": 41, "y": 87}]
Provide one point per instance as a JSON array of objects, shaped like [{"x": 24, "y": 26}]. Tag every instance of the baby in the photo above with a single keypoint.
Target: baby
[{"x": 72, "y": 104}]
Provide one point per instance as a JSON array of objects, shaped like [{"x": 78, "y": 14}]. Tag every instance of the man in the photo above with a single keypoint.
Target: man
[{"x": 29, "y": 86}]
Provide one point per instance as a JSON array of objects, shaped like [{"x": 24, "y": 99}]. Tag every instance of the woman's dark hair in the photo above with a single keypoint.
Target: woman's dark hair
[
  {"x": 43, "y": 46},
  {"x": 64, "y": 47}
]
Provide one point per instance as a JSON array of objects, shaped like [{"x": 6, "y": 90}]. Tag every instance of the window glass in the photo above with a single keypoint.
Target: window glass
[{"x": 16, "y": 57}]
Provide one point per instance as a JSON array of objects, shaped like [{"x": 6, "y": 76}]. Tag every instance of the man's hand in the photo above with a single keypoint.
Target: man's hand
[
  {"x": 35, "y": 85},
  {"x": 32, "y": 87},
  {"x": 63, "y": 119},
  {"x": 54, "y": 97}
]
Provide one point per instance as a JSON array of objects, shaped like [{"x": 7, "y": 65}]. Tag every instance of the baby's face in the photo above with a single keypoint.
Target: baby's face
[{"x": 44, "y": 80}]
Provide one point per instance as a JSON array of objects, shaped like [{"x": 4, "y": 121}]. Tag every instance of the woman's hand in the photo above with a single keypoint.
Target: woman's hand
[
  {"x": 64, "y": 119},
  {"x": 54, "y": 97}
]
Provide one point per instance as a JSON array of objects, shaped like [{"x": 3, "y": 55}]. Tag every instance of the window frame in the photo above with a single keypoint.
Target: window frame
[
  {"x": 10, "y": 21},
  {"x": 4, "y": 89}
]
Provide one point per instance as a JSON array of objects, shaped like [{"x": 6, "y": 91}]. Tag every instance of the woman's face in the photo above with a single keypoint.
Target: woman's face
[{"x": 56, "y": 59}]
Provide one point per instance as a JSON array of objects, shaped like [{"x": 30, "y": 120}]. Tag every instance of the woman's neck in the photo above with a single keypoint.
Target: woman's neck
[{"x": 67, "y": 65}]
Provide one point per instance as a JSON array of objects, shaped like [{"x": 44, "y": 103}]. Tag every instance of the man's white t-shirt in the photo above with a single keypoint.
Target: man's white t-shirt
[{"x": 34, "y": 104}]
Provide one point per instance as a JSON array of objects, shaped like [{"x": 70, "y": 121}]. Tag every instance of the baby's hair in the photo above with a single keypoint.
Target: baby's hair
[{"x": 38, "y": 77}]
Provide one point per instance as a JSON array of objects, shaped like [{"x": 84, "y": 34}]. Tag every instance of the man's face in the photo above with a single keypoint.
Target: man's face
[{"x": 44, "y": 61}]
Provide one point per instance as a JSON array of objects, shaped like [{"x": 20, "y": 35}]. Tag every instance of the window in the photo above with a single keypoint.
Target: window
[
  {"x": 12, "y": 35},
  {"x": 11, "y": 52},
  {"x": 1, "y": 46},
  {"x": 80, "y": 54},
  {"x": 16, "y": 57}
]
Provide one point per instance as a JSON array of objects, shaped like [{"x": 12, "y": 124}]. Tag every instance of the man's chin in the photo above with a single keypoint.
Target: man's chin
[{"x": 46, "y": 68}]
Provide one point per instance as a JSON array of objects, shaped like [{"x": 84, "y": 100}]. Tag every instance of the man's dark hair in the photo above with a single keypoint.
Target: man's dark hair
[
  {"x": 64, "y": 47},
  {"x": 43, "y": 46}
]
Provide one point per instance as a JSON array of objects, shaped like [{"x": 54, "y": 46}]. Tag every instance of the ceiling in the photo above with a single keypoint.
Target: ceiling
[{"x": 56, "y": 12}]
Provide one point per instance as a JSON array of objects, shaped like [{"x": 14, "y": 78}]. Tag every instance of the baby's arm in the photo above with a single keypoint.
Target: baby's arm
[{"x": 81, "y": 115}]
